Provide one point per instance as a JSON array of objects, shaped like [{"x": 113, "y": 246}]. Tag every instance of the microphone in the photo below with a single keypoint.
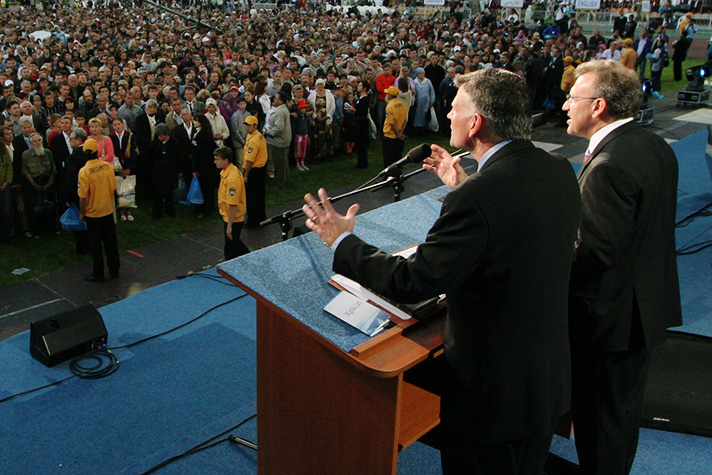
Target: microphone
[{"x": 415, "y": 155}]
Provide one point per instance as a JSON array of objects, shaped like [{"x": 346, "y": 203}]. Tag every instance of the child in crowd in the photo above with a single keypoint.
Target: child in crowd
[{"x": 301, "y": 130}]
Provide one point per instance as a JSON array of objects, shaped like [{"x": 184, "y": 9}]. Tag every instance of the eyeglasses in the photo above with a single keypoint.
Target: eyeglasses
[{"x": 572, "y": 99}]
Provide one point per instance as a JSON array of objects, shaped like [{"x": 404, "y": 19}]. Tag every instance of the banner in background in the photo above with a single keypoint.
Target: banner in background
[
  {"x": 512, "y": 3},
  {"x": 588, "y": 4}
]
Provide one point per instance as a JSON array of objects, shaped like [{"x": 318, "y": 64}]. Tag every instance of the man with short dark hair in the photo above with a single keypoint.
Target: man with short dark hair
[
  {"x": 231, "y": 203},
  {"x": 278, "y": 133},
  {"x": 501, "y": 251}
]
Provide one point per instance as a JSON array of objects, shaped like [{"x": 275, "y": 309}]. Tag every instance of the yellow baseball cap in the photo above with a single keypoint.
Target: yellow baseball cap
[{"x": 90, "y": 145}]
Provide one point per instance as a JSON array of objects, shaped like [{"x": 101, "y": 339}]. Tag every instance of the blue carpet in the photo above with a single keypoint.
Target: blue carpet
[
  {"x": 695, "y": 274},
  {"x": 695, "y": 175},
  {"x": 659, "y": 453},
  {"x": 170, "y": 396},
  {"x": 147, "y": 313}
]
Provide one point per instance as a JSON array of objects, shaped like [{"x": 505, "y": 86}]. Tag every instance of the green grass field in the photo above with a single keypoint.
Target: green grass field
[{"x": 51, "y": 253}]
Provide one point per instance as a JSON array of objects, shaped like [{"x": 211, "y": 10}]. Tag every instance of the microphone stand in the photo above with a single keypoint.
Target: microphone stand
[{"x": 285, "y": 219}]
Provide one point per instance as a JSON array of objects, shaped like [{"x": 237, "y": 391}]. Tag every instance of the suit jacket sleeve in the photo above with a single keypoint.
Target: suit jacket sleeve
[
  {"x": 449, "y": 255},
  {"x": 610, "y": 199}
]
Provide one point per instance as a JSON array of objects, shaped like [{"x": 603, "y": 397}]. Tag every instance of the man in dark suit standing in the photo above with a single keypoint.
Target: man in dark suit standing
[
  {"x": 619, "y": 23},
  {"x": 624, "y": 289},
  {"x": 61, "y": 148},
  {"x": 501, "y": 250},
  {"x": 145, "y": 135}
]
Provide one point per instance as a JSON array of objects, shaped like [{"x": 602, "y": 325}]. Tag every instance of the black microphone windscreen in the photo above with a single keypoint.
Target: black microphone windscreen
[{"x": 419, "y": 153}]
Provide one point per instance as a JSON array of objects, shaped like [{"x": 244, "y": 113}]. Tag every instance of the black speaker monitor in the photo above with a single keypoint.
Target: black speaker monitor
[{"x": 65, "y": 335}]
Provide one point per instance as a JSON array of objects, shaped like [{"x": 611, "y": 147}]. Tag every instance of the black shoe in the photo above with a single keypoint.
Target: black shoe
[
  {"x": 113, "y": 275},
  {"x": 93, "y": 278}
]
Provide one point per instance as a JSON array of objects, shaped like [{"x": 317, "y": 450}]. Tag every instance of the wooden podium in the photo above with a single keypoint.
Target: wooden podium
[
  {"x": 330, "y": 399},
  {"x": 321, "y": 409}
]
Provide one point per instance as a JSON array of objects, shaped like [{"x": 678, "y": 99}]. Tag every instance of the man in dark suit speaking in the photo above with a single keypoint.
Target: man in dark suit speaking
[
  {"x": 501, "y": 250},
  {"x": 624, "y": 288}
]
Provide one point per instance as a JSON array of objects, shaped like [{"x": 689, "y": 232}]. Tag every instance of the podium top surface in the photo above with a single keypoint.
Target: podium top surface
[{"x": 293, "y": 275}]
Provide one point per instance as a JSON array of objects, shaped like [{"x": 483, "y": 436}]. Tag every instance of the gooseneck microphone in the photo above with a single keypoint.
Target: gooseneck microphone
[{"x": 415, "y": 155}]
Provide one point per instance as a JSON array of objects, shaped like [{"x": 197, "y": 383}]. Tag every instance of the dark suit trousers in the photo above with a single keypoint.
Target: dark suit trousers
[
  {"x": 234, "y": 247},
  {"x": 103, "y": 231},
  {"x": 163, "y": 196},
  {"x": 255, "y": 197},
  {"x": 607, "y": 397},
  {"x": 392, "y": 151},
  {"x": 463, "y": 452}
]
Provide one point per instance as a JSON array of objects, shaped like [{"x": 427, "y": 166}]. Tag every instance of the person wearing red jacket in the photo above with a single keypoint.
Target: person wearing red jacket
[{"x": 383, "y": 82}]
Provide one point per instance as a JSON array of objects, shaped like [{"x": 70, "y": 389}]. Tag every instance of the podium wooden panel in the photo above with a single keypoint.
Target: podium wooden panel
[{"x": 323, "y": 410}]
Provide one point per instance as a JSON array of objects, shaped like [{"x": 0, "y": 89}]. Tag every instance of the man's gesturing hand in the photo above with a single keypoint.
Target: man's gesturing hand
[{"x": 323, "y": 219}]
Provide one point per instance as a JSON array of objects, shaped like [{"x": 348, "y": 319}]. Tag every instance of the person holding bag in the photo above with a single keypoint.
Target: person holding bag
[
  {"x": 68, "y": 191},
  {"x": 126, "y": 151}
]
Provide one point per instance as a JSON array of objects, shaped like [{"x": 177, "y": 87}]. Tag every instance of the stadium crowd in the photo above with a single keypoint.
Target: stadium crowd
[{"x": 159, "y": 93}]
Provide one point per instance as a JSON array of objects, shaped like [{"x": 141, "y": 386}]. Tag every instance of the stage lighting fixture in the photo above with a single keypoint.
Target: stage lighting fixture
[
  {"x": 646, "y": 112},
  {"x": 696, "y": 93}
]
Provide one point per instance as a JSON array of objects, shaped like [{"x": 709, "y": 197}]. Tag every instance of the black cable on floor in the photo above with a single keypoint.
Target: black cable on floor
[
  {"x": 29, "y": 391},
  {"x": 129, "y": 345},
  {"x": 215, "y": 278},
  {"x": 202, "y": 446},
  {"x": 693, "y": 248},
  {"x": 700, "y": 214},
  {"x": 105, "y": 364},
  {"x": 79, "y": 370}
]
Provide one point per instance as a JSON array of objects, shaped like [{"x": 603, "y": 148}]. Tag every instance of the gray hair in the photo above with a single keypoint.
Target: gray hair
[
  {"x": 502, "y": 98},
  {"x": 615, "y": 83},
  {"x": 79, "y": 133},
  {"x": 161, "y": 129},
  {"x": 151, "y": 102},
  {"x": 23, "y": 120}
]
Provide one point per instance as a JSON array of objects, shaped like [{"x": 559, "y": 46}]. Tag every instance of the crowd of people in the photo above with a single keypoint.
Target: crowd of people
[
  {"x": 159, "y": 93},
  {"x": 529, "y": 260}
]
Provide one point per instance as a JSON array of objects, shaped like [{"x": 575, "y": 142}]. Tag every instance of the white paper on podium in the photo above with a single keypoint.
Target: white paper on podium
[
  {"x": 363, "y": 293},
  {"x": 358, "y": 313}
]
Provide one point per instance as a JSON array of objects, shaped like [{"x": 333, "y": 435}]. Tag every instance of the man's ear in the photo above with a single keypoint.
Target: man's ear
[
  {"x": 477, "y": 124},
  {"x": 600, "y": 108}
]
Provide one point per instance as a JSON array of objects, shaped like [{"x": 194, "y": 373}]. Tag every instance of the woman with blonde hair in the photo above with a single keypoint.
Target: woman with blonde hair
[{"x": 105, "y": 148}]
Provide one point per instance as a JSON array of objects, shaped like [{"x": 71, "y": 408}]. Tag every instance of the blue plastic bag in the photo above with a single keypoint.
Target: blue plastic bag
[
  {"x": 195, "y": 194},
  {"x": 181, "y": 192},
  {"x": 70, "y": 220},
  {"x": 549, "y": 103}
]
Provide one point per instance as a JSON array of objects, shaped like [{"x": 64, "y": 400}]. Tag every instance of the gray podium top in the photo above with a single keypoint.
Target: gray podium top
[{"x": 294, "y": 274}]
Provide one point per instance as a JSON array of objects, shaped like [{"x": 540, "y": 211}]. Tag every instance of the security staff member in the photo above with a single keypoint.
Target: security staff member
[
  {"x": 393, "y": 127},
  {"x": 97, "y": 185},
  {"x": 254, "y": 161},
  {"x": 231, "y": 202}
]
